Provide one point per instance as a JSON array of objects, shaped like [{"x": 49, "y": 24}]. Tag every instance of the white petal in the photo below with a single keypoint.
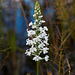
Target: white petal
[
  {"x": 34, "y": 15},
  {"x": 31, "y": 32},
  {"x": 30, "y": 23},
  {"x": 37, "y": 58},
  {"x": 28, "y": 52},
  {"x": 40, "y": 16},
  {"x": 33, "y": 49},
  {"x": 42, "y": 21},
  {"x": 45, "y": 50},
  {"x": 46, "y": 58},
  {"x": 45, "y": 28}
]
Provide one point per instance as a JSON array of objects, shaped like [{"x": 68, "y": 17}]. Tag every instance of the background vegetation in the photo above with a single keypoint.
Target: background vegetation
[{"x": 60, "y": 20}]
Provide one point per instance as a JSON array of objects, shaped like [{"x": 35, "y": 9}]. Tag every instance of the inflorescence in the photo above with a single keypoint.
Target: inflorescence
[{"x": 39, "y": 40}]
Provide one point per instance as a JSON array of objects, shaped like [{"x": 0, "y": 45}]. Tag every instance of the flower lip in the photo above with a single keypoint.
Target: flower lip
[{"x": 37, "y": 58}]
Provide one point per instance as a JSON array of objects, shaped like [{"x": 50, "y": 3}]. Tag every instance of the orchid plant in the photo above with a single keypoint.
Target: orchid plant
[{"x": 39, "y": 40}]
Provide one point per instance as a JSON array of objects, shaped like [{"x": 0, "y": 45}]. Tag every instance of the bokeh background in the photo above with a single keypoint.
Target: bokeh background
[{"x": 15, "y": 16}]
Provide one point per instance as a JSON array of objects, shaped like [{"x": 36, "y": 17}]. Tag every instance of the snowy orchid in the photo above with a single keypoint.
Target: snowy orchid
[{"x": 39, "y": 42}]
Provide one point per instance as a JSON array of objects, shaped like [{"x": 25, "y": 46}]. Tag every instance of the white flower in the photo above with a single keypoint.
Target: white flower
[
  {"x": 45, "y": 50},
  {"x": 41, "y": 45},
  {"x": 39, "y": 23},
  {"x": 31, "y": 32},
  {"x": 42, "y": 21},
  {"x": 30, "y": 42},
  {"x": 34, "y": 15},
  {"x": 28, "y": 52},
  {"x": 33, "y": 49},
  {"x": 36, "y": 20},
  {"x": 41, "y": 16},
  {"x": 30, "y": 24},
  {"x": 37, "y": 39},
  {"x": 37, "y": 13},
  {"x": 40, "y": 36},
  {"x": 45, "y": 28},
  {"x": 34, "y": 23},
  {"x": 44, "y": 34},
  {"x": 46, "y": 58},
  {"x": 41, "y": 29},
  {"x": 37, "y": 58},
  {"x": 46, "y": 42},
  {"x": 33, "y": 26},
  {"x": 46, "y": 38}
]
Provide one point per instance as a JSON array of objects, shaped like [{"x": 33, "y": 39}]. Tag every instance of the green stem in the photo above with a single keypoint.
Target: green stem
[{"x": 37, "y": 67}]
